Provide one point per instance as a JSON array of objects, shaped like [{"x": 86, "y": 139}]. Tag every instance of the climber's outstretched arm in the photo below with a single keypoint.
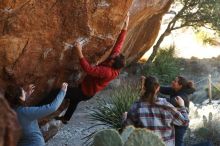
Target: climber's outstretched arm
[{"x": 121, "y": 38}]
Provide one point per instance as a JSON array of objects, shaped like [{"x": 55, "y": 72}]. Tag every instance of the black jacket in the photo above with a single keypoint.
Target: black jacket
[{"x": 183, "y": 93}]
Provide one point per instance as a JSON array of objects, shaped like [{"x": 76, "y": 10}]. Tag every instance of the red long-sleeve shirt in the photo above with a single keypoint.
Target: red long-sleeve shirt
[{"x": 99, "y": 76}]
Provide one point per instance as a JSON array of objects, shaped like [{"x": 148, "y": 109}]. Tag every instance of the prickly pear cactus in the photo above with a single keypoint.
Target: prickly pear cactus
[
  {"x": 108, "y": 137},
  {"x": 210, "y": 117},
  {"x": 143, "y": 137},
  {"x": 126, "y": 133},
  {"x": 129, "y": 137},
  {"x": 205, "y": 121}
]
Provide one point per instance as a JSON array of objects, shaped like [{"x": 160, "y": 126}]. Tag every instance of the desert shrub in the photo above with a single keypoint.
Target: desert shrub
[
  {"x": 165, "y": 66},
  {"x": 206, "y": 38}
]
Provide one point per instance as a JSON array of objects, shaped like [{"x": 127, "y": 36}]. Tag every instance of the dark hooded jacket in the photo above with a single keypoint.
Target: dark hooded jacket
[{"x": 183, "y": 93}]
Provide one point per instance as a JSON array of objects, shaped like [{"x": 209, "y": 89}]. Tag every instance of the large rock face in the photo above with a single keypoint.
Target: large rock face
[{"x": 35, "y": 35}]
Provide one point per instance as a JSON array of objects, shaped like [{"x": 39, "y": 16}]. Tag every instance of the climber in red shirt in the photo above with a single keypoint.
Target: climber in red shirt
[{"x": 98, "y": 77}]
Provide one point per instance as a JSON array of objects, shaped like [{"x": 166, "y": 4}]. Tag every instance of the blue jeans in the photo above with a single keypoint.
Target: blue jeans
[
  {"x": 179, "y": 134},
  {"x": 208, "y": 143}
]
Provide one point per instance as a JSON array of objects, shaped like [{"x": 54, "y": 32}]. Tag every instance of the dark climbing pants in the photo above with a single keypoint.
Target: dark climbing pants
[{"x": 75, "y": 96}]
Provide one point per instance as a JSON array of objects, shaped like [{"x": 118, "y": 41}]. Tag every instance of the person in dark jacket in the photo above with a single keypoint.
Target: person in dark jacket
[
  {"x": 28, "y": 116},
  {"x": 98, "y": 77},
  {"x": 183, "y": 88},
  {"x": 155, "y": 113}
]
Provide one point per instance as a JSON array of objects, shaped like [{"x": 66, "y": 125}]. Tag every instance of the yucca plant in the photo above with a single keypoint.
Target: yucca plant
[{"x": 109, "y": 112}]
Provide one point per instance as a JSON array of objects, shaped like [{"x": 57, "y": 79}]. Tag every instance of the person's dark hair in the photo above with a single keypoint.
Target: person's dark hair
[
  {"x": 12, "y": 94},
  {"x": 119, "y": 62},
  {"x": 186, "y": 84},
  {"x": 150, "y": 85}
]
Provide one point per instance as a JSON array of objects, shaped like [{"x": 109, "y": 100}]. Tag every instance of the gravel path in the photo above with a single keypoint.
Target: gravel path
[{"x": 77, "y": 128}]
